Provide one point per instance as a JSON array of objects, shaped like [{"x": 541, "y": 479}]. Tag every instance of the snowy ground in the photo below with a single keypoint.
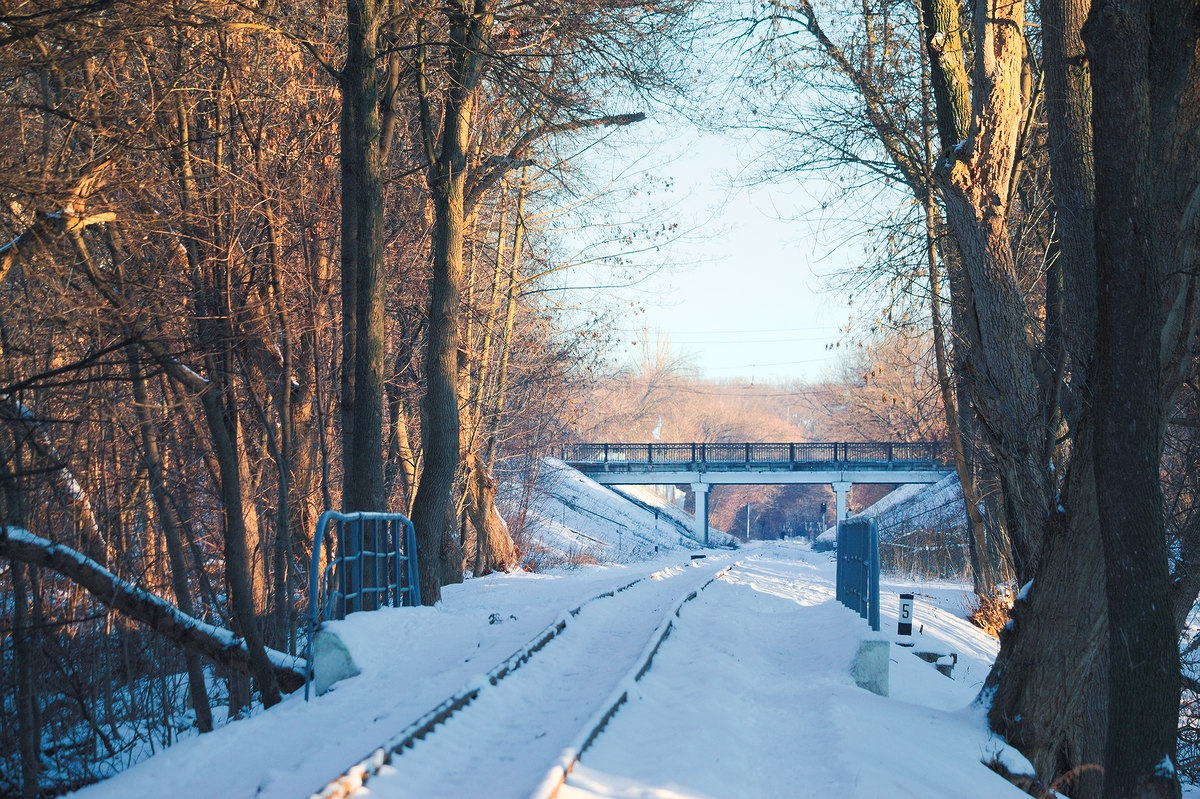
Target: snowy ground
[{"x": 750, "y": 696}]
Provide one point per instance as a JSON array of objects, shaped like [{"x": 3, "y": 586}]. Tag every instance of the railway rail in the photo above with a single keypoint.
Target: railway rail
[{"x": 545, "y": 704}]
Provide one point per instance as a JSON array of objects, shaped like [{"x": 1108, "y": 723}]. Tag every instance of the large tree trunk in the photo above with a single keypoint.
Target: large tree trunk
[
  {"x": 362, "y": 281},
  {"x": 1122, "y": 40},
  {"x": 981, "y": 571},
  {"x": 362, "y": 265},
  {"x": 1047, "y": 688},
  {"x": 1049, "y": 682},
  {"x": 470, "y": 26}
]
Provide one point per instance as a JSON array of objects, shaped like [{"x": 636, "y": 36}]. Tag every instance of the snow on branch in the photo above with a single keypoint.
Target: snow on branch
[
  {"x": 65, "y": 482},
  {"x": 72, "y": 217},
  {"x": 161, "y": 616}
]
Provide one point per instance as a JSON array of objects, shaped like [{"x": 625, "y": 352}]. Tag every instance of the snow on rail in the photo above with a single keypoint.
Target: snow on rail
[
  {"x": 361, "y": 772},
  {"x": 557, "y": 774}
]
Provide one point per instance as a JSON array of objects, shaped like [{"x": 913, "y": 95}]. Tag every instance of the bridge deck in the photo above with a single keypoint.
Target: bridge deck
[{"x": 756, "y": 457}]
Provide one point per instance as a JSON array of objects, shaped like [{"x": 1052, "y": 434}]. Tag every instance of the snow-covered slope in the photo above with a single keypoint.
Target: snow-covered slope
[
  {"x": 574, "y": 519},
  {"x": 935, "y": 505}
]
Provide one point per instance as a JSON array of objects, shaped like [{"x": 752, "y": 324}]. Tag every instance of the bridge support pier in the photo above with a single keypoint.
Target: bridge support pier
[
  {"x": 840, "y": 490},
  {"x": 700, "y": 491}
]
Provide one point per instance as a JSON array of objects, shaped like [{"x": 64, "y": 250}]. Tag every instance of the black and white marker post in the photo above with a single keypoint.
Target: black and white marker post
[{"x": 904, "y": 628}]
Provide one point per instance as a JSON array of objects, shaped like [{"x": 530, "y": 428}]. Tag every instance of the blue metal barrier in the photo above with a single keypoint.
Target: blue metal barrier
[
  {"x": 858, "y": 568},
  {"x": 370, "y": 563}
]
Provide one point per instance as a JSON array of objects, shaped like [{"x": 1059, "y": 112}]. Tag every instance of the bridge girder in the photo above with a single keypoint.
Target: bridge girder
[
  {"x": 767, "y": 477},
  {"x": 701, "y": 482}
]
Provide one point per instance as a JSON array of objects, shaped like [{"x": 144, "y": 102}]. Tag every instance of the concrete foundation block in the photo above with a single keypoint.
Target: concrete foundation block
[
  {"x": 871, "y": 666},
  {"x": 331, "y": 661}
]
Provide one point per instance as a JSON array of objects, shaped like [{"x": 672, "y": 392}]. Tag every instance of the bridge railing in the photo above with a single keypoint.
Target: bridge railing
[{"x": 756, "y": 453}]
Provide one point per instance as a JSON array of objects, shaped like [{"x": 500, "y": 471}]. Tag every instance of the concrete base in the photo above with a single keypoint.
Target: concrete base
[
  {"x": 331, "y": 661},
  {"x": 871, "y": 666}
]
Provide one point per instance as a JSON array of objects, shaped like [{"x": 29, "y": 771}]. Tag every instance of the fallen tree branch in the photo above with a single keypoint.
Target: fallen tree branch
[{"x": 205, "y": 639}]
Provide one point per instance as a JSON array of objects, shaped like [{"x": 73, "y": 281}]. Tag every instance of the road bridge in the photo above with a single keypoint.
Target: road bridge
[{"x": 703, "y": 465}]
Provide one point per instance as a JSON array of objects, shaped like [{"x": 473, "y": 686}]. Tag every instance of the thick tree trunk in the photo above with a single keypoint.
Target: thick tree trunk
[
  {"x": 470, "y": 26},
  {"x": 1068, "y": 111},
  {"x": 362, "y": 264},
  {"x": 1144, "y": 664},
  {"x": 1049, "y": 682},
  {"x": 976, "y": 185},
  {"x": 363, "y": 487},
  {"x": 981, "y": 571}
]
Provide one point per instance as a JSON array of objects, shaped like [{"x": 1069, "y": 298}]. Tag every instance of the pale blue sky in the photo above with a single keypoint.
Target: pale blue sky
[{"x": 744, "y": 295}]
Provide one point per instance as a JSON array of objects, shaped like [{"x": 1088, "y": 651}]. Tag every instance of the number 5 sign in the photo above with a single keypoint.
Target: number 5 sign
[{"x": 906, "y": 615}]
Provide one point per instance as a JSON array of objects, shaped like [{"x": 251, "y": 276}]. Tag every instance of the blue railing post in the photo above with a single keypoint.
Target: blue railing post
[{"x": 858, "y": 568}]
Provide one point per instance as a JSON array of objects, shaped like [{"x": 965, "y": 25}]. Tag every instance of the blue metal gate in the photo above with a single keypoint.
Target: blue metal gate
[
  {"x": 370, "y": 562},
  {"x": 858, "y": 568}
]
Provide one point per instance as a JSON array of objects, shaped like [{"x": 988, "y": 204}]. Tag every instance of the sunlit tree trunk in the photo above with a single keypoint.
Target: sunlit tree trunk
[{"x": 470, "y": 27}]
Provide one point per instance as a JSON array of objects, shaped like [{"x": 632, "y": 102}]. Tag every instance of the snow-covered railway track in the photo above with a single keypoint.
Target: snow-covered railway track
[
  {"x": 556, "y": 776},
  {"x": 572, "y": 676}
]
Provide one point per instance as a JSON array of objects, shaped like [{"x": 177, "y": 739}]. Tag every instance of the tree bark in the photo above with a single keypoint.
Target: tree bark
[
  {"x": 470, "y": 26},
  {"x": 1123, "y": 39},
  {"x": 976, "y": 179},
  {"x": 362, "y": 264},
  {"x": 494, "y": 549},
  {"x": 981, "y": 571},
  {"x": 1049, "y": 682}
]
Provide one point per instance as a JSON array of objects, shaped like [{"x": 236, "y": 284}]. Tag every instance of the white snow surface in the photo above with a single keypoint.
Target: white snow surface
[
  {"x": 937, "y": 504},
  {"x": 576, "y": 517},
  {"x": 750, "y": 696}
]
